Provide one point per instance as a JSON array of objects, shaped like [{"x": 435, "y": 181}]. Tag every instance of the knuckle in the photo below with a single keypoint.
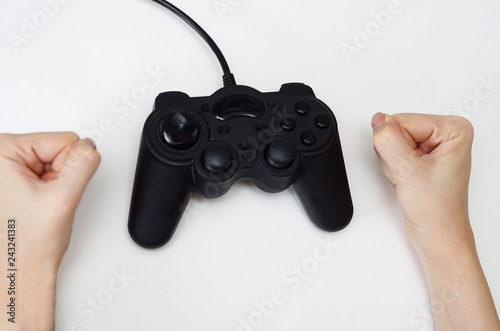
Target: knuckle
[
  {"x": 5, "y": 138},
  {"x": 88, "y": 155},
  {"x": 463, "y": 124},
  {"x": 94, "y": 157},
  {"x": 467, "y": 127},
  {"x": 71, "y": 135},
  {"x": 81, "y": 154}
]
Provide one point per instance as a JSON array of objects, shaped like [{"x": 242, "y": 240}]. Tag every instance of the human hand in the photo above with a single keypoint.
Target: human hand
[
  {"x": 428, "y": 159},
  {"x": 43, "y": 179}
]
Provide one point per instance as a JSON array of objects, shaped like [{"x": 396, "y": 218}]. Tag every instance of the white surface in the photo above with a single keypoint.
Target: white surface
[{"x": 234, "y": 250}]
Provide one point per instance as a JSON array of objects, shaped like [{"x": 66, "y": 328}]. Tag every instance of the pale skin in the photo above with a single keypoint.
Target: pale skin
[
  {"x": 44, "y": 176},
  {"x": 426, "y": 157}
]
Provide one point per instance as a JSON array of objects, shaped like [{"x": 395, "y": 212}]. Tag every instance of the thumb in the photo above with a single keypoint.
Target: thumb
[
  {"x": 393, "y": 145},
  {"x": 77, "y": 167}
]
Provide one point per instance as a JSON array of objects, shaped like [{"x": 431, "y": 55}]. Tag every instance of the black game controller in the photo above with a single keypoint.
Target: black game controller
[{"x": 205, "y": 144}]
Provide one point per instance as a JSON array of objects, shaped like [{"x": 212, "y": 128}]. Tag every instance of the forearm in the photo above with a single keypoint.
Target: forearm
[
  {"x": 460, "y": 296},
  {"x": 27, "y": 291}
]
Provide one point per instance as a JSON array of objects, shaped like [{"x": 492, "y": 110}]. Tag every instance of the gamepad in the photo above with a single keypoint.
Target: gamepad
[{"x": 205, "y": 144}]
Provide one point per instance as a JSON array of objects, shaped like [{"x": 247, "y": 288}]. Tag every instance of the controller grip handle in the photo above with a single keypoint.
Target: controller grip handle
[
  {"x": 323, "y": 189},
  {"x": 159, "y": 198}
]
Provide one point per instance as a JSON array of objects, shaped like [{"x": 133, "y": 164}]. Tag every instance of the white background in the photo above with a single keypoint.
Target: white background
[{"x": 233, "y": 251}]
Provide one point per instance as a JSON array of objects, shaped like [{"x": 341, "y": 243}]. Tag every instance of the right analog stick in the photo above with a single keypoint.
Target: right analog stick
[
  {"x": 280, "y": 153},
  {"x": 217, "y": 158},
  {"x": 180, "y": 130}
]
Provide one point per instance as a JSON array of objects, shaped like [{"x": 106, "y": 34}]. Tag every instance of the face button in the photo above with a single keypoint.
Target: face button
[
  {"x": 280, "y": 153},
  {"x": 217, "y": 158},
  {"x": 180, "y": 130},
  {"x": 260, "y": 127},
  {"x": 288, "y": 124},
  {"x": 308, "y": 138},
  {"x": 224, "y": 129},
  {"x": 244, "y": 146},
  {"x": 322, "y": 121},
  {"x": 302, "y": 108}
]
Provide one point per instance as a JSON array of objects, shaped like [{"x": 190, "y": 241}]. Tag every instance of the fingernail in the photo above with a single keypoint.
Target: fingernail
[
  {"x": 90, "y": 142},
  {"x": 377, "y": 120}
]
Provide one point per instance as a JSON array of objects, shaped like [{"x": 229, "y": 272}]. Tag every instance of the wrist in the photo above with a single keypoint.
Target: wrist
[
  {"x": 29, "y": 288},
  {"x": 438, "y": 232},
  {"x": 445, "y": 245},
  {"x": 37, "y": 289}
]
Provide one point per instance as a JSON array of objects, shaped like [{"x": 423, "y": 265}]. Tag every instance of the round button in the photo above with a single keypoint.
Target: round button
[
  {"x": 302, "y": 108},
  {"x": 180, "y": 130},
  {"x": 322, "y": 121},
  {"x": 288, "y": 124},
  {"x": 217, "y": 158},
  {"x": 308, "y": 138},
  {"x": 280, "y": 153}
]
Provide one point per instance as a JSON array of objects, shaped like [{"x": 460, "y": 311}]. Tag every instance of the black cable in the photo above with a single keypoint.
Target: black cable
[{"x": 228, "y": 77}]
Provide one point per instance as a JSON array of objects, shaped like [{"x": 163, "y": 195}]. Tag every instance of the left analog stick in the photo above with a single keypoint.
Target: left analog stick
[{"x": 180, "y": 130}]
